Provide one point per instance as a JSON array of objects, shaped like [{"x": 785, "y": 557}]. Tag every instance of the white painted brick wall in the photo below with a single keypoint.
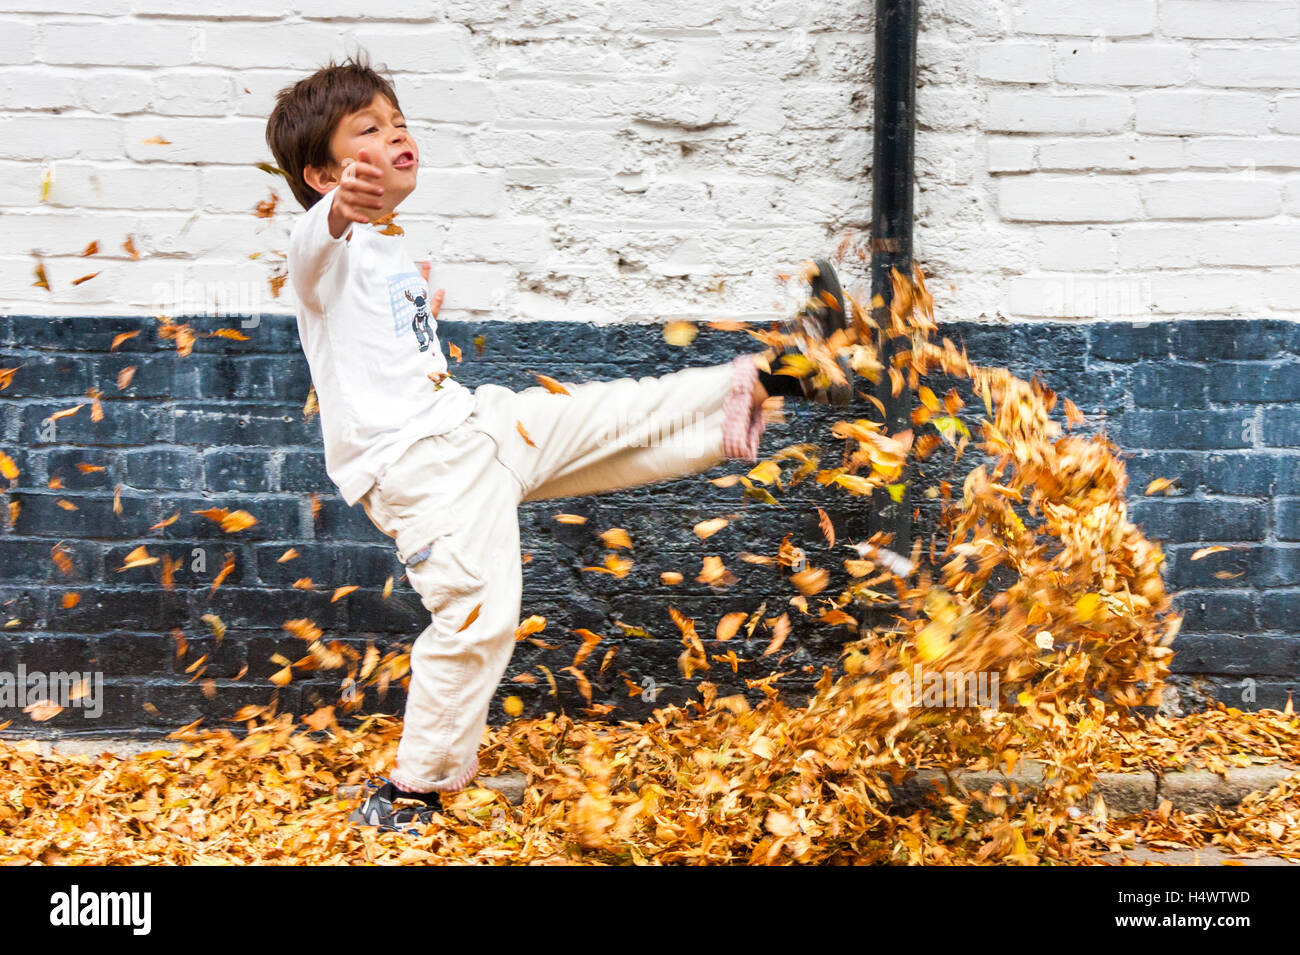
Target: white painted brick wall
[{"x": 618, "y": 160}]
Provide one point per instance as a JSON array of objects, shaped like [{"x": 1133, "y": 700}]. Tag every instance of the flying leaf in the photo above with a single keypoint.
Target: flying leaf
[
  {"x": 706, "y": 529},
  {"x": 729, "y": 625},
  {"x": 827, "y": 528},
  {"x": 680, "y": 333},
  {"x": 473, "y": 615},
  {"x": 616, "y": 537},
  {"x": 780, "y": 630},
  {"x": 550, "y": 384}
]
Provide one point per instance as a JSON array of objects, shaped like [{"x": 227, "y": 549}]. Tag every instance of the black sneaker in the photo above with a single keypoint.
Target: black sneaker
[
  {"x": 825, "y": 313},
  {"x": 378, "y": 809}
]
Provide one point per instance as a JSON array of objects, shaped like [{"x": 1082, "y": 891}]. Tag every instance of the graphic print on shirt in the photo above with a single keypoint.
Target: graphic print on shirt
[
  {"x": 408, "y": 297},
  {"x": 420, "y": 324}
]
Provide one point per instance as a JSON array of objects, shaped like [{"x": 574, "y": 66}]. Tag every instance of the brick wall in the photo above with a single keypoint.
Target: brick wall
[
  {"x": 1212, "y": 405},
  {"x": 618, "y": 161}
]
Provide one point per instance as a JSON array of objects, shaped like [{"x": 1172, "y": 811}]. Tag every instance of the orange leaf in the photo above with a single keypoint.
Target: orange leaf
[
  {"x": 828, "y": 529},
  {"x": 730, "y": 624},
  {"x": 616, "y": 537},
  {"x": 550, "y": 384},
  {"x": 780, "y": 630},
  {"x": 473, "y": 615}
]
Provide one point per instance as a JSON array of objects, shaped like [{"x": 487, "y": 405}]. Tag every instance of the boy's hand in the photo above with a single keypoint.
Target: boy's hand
[
  {"x": 435, "y": 300},
  {"x": 358, "y": 197}
]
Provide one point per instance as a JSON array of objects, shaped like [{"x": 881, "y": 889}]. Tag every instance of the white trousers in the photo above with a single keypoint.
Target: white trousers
[{"x": 451, "y": 504}]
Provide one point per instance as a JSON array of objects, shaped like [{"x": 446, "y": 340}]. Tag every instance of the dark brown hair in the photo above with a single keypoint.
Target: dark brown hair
[{"x": 307, "y": 113}]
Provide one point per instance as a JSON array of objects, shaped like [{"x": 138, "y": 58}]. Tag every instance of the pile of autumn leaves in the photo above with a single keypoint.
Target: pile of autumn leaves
[
  {"x": 1077, "y": 636},
  {"x": 1042, "y": 580},
  {"x": 272, "y": 796}
]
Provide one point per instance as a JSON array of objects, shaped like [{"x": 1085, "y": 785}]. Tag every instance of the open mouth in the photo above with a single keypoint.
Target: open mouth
[{"x": 404, "y": 160}]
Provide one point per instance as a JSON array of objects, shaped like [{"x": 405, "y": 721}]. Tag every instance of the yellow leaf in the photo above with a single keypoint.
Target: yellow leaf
[
  {"x": 680, "y": 334},
  {"x": 931, "y": 643},
  {"x": 137, "y": 558},
  {"x": 616, "y": 537},
  {"x": 706, "y": 529},
  {"x": 43, "y": 710},
  {"x": 1087, "y": 606}
]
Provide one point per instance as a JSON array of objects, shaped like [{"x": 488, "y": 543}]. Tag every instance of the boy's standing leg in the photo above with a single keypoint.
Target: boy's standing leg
[{"x": 453, "y": 509}]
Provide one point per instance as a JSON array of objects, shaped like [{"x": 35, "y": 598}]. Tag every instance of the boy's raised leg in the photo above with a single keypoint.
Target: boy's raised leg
[
  {"x": 606, "y": 435},
  {"x": 715, "y": 433}
]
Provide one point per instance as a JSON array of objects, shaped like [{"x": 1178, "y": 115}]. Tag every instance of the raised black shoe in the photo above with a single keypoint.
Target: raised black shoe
[{"x": 824, "y": 313}]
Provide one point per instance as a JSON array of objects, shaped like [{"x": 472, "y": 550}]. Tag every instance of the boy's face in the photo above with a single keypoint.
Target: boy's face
[{"x": 381, "y": 131}]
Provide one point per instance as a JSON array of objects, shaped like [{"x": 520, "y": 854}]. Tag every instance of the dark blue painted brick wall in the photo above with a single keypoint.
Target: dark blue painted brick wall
[{"x": 1214, "y": 405}]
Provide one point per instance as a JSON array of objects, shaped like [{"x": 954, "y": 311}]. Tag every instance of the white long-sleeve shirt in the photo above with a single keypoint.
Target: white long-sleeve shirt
[{"x": 371, "y": 344}]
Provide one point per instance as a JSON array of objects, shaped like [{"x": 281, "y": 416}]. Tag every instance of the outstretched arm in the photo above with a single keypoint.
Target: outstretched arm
[{"x": 318, "y": 237}]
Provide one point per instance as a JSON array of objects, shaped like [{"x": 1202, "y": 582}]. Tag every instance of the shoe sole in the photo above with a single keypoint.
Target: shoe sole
[
  {"x": 510, "y": 785},
  {"x": 384, "y": 816},
  {"x": 832, "y": 320}
]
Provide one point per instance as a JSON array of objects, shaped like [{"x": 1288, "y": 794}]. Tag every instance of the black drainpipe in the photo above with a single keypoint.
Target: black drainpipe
[{"x": 892, "y": 171}]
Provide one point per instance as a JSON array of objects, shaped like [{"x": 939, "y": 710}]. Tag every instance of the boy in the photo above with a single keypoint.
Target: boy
[{"x": 442, "y": 469}]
